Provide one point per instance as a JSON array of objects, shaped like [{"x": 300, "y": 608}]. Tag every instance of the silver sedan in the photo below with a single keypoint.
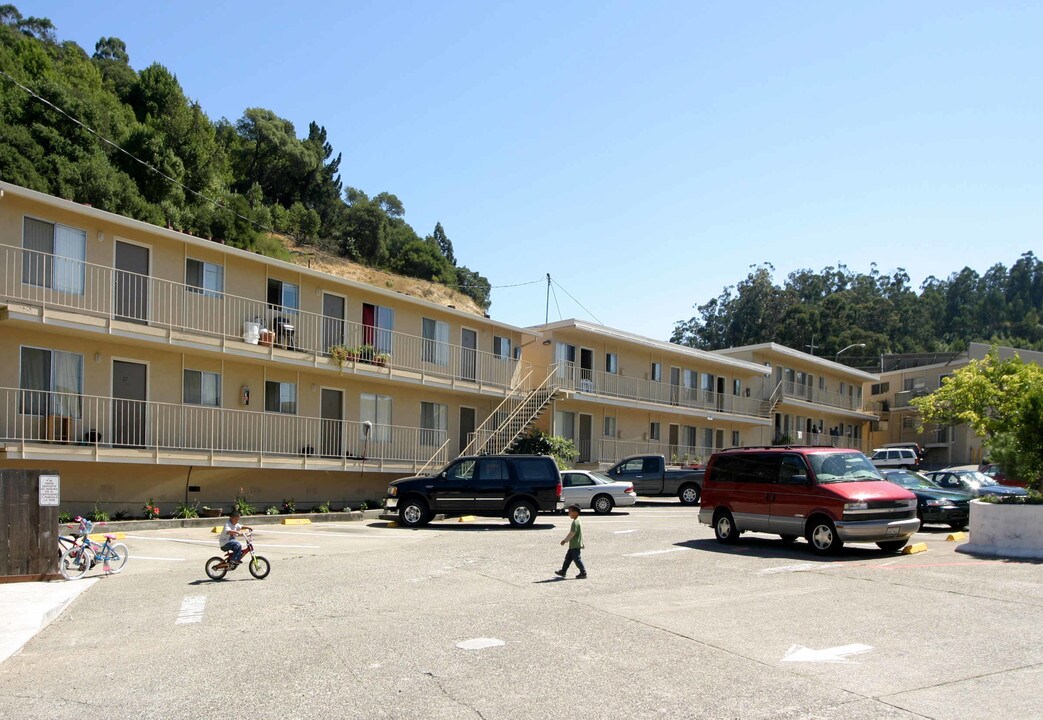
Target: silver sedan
[{"x": 595, "y": 491}]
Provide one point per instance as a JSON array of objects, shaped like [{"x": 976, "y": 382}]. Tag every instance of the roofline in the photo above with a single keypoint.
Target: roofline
[
  {"x": 618, "y": 334},
  {"x": 142, "y": 226},
  {"x": 814, "y": 359}
]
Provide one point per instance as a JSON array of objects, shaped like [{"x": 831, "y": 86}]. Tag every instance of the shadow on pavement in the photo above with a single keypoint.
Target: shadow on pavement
[
  {"x": 548, "y": 580},
  {"x": 453, "y": 525},
  {"x": 768, "y": 548}
]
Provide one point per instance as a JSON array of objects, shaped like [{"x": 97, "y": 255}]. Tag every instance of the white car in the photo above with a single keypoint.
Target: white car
[
  {"x": 895, "y": 458},
  {"x": 595, "y": 491}
]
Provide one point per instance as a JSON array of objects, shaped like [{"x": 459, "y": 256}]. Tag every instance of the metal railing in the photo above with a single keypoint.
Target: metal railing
[
  {"x": 512, "y": 417},
  {"x": 57, "y": 283},
  {"x": 32, "y": 416},
  {"x": 809, "y": 393},
  {"x": 902, "y": 399},
  {"x": 612, "y": 451},
  {"x": 572, "y": 377}
]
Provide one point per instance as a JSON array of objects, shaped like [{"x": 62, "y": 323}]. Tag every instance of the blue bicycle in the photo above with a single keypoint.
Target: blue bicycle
[{"x": 81, "y": 557}]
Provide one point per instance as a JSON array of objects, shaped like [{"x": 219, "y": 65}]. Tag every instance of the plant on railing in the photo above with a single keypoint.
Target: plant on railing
[
  {"x": 271, "y": 510},
  {"x": 151, "y": 510},
  {"x": 382, "y": 359},
  {"x": 538, "y": 442},
  {"x": 242, "y": 506},
  {"x": 340, "y": 354},
  {"x": 97, "y": 514},
  {"x": 366, "y": 352},
  {"x": 64, "y": 517},
  {"x": 184, "y": 511},
  {"x": 289, "y": 507}
]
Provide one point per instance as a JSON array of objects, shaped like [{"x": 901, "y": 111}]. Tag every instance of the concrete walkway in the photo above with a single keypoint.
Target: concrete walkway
[{"x": 27, "y": 608}]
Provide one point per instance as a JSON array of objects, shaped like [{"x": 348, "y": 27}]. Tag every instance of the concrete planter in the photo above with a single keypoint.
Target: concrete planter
[{"x": 1014, "y": 531}]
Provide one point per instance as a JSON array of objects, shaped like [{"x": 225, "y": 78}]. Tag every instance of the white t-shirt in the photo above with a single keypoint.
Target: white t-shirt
[{"x": 226, "y": 534}]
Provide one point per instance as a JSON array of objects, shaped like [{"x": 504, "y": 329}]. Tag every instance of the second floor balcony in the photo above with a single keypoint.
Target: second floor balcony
[
  {"x": 788, "y": 389},
  {"x": 104, "y": 298}
]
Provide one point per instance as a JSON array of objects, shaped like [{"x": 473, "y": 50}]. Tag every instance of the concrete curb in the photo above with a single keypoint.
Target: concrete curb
[
  {"x": 27, "y": 608},
  {"x": 160, "y": 524}
]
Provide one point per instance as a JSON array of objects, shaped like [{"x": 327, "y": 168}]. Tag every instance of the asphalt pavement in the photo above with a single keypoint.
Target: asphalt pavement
[{"x": 460, "y": 620}]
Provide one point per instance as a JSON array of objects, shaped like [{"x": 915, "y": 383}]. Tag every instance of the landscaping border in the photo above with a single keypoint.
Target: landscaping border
[{"x": 251, "y": 520}]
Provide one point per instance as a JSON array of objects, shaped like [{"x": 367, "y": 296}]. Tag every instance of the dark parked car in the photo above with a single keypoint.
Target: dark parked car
[
  {"x": 933, "y": 504},
  {"x": 973, "y": 482},
  {"x": 512, "y": 486}
]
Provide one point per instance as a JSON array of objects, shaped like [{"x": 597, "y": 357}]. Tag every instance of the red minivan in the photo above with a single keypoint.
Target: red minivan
[{"x": 828, "y": 495}]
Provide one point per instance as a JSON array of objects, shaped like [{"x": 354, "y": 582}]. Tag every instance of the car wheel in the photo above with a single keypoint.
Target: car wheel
[
  {"x": 892, "y": 545},
  {"x": 414, "y": 513},
  {"x": 822, "y": 535},
  {"x": 602, "y": 504},
  {"x": 958, "y": 526},
  {"x": 724, "y": 528},
  {"x": 689, "y": 495},
  {"x": 521, "y": 514}
]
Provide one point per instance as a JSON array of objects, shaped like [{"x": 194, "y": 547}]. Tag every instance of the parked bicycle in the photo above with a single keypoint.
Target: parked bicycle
[
  {"x": 217, "y": 568},
  {"x": 84, "y": 553}
]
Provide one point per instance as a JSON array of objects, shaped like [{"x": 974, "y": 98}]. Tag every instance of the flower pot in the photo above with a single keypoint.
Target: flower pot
[{"x": 211, "y": 512}]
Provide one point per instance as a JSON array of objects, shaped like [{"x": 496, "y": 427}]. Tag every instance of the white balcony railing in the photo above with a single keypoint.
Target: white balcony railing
[
  {"x": 808, "y": 393},
  {"x": 572, "y": 377},
  {"x": 41, "y": 279},
  {"x": 611, "y": 451},
  {"x": 85, "y": 421}
]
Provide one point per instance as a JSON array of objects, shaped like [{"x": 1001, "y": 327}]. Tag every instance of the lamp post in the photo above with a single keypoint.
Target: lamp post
[{"x": 837, "y": 358}]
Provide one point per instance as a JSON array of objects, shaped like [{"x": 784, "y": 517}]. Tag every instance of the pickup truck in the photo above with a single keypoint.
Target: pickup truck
[{"x": 649, "y": 475}]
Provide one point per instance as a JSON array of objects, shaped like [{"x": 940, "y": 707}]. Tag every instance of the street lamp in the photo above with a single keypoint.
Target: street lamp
[{"x": 837, "y": 358}]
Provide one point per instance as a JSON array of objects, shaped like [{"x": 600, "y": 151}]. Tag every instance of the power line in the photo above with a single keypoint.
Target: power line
[
  {"x": 578, "y": 302},
  {"x": 555, "y": 296}
]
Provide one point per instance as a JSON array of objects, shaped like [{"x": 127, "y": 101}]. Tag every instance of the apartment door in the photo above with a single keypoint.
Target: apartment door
[
  {"x": 467, "y": 425},
  {"x": 332, "y": 321},
  {"x": 331, "y": 443},
  {"x": 129, "y": 388},
  {"x": 720, "y": 393},
  {"x": 468, "y": 354},
  {"x": 675, "y": 440},
  {"x": 131, "y": 291},
  {"x": 586, "y": 432},
  {"x": 586, "y": 369},
  {"x": 675, "y": 385},
  {"x": 719, "y": 441}
]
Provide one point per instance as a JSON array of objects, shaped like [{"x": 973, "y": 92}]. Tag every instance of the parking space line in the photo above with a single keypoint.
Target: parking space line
[
  {"x": 192, "y": 608},
  {"x": 214, "y": 542},
  {"x": 655, "y": 552},
  {"x": 146, "y": 557}
]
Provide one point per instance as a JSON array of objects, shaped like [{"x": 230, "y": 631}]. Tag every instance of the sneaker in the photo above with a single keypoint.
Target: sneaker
[
  {"x": 559, "y": 573},
  {"x": 581, "y": 576}
]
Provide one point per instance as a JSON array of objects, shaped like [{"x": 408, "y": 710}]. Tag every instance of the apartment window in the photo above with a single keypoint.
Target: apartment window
[
  {"x": 708, "y": 438},
  {"x": 53, "y": 256},
  {"x": 283, "y": 296},
  {"x": 657, "y": 372},
  {"x": 565, "y": 424},
  {"x": 502, "y": 347},
  {"x": 378, "y": 324},
  {"x": 736, "y": 387},
  {"x": 436, "y": 342},
  {"x": 735, "y": 439},
  {"x": 610, "y": 427},
  {"x": 654, "y": 431},
  {"x": 821, "y": 383},
  {"x": 434, "y": 423},
  {"x": 706, "y": 382},
  {"x": 879, "y": 388},
  {"x": 51, "y": 382},
  {"x": 907, "y": 422},
  {"x": 201, "y": 388},
  {"x": 280, "y": 397},
  {"x": 690, "y": 379},
  {"x": 206, "y": 278},
  {"x": 611, "y": 363},
  {"x": 376, "y": 410},
  {"x": 843, "y": 388}
]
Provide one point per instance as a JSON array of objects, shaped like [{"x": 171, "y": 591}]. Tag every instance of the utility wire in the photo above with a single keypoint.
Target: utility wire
[
  {"x": 555, "y": 296},
  {"x": 577, "y": 302}
]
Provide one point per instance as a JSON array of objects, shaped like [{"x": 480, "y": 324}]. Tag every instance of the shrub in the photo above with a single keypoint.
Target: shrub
[
  {"x": 120, "y": 515},
  {"x": 363, "y": 505},
  {"x": 186, "y": 511},
  {"x": 289, "y": 507},
  {"x": 242, "y": 507},
  {"x": 323, "y": 508},
  {"x": 97, "y": 514},
  {"x": 1033, "y": 498},
  {"x": 64, "y": 517},
  {"x": 538, "y": 442},
  {"x": 271, "y": 510},
  {"x": 151, "y": 509}
]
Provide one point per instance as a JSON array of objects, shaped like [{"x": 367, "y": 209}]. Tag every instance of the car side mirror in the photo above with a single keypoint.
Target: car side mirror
[{"x": 795, "y": 480}]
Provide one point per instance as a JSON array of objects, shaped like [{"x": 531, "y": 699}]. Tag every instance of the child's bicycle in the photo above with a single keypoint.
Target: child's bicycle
[
  {"x": 84, "y": 554},
  {"x": 217, "y": 568}
]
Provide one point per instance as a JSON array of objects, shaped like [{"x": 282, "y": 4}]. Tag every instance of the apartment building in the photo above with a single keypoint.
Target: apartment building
[
  {"x": 908, "y": 376},
  {"x": 142, "y": 362},
  {"x": 811, "y": 400}
]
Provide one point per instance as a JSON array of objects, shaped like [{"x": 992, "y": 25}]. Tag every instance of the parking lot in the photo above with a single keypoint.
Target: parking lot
[{"x": 466, "y": 619}]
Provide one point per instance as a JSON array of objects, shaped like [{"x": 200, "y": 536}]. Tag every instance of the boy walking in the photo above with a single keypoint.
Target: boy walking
[{"x": 575, "y": 541}]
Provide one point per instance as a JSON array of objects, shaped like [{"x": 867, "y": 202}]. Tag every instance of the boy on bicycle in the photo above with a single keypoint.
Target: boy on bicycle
[{"x": 227, "y": 540}]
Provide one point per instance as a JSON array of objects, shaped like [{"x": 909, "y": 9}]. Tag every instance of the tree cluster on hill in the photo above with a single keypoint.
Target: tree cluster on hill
[
  {"x": 837, "y": 307},
  {"x": 235, "y": 182}
]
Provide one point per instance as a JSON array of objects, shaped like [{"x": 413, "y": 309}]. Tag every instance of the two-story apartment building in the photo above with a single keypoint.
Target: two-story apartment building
[
  {"x": 142, "y": 362},
  {"x": 811, "y": 400},
  {"x": 908, "y": 376}
]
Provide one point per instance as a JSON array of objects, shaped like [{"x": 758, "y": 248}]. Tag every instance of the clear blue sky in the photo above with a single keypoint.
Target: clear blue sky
[{"x": 646, "y": 154}]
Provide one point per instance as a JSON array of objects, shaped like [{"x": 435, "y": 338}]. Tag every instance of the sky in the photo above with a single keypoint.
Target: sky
[{"x": 644, "y": 154}]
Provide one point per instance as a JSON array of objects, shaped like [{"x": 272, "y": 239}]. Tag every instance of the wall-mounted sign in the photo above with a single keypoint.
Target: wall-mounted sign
[{"x": 50, "y": 490}]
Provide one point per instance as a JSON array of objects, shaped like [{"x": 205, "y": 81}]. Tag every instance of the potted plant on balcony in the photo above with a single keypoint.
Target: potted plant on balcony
[
  {"x": 382, "y": 359},
  {"x": 366, "y": 353},
  {"x": 341, "y": 354}
]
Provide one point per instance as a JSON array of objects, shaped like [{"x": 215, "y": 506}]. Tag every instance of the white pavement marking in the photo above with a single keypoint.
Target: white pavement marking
[
  {"x": 655, "y": 552},
  {"x": 480, "y": 643},
  {"x": 213, "y": 542},
  {"x": 146, "y": 557},
  {"x": 192, "y": 608},
  {"x": 799, "y": 653},
  {"x": 800, "y": 567},
  {"x": 623, "y": 532}
]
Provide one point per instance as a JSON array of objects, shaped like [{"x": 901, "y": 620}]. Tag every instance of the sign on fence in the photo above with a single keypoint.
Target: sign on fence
[{"x": 50, "y": 491}]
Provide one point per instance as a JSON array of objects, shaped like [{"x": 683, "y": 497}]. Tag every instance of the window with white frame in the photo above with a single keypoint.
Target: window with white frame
[
  {"x": 565, "y": 424},
  {"x": 201, "y": 388},
  {"x": 735, "y": 439},
  {"x": 434, "y": 423},
  {"x": 205, "y": 278},
  {"x": 284, "y": 296},
  {"x": 502, "y": 347},
  {"x": 612, "y": 363},
  {"x": 657, "y": 372},
  {"x": 376, "y": 410},
  {"x": 689, "y": 433},
  {"x": 435, "y": 349},
  {"x": 654, "y": 431},
  {"x": 736, "y": 387},
  {"x": 51, "y": 382},
  {"x": 378, "y": 325},
  {"x": 707, "y": 438},
  {"x": 280, "y": 397},
  {"x": 53, "y": 256},
  {"x": 610, "y": 427}
]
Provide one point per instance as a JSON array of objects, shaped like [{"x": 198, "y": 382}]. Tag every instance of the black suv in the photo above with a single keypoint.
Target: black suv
[{"x": 512, "y": 486}]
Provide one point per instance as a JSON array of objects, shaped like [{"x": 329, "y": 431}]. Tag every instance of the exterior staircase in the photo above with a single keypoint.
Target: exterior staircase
[
  {"x": 768, "y": 406},
  {"x": 514, "y": 416}
]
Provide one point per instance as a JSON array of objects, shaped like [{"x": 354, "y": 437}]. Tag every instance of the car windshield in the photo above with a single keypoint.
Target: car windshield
[
  {"x": 601, "y": 478},
  {"x": 842, "y": 467},
  {"x": 909, "y": 479}
]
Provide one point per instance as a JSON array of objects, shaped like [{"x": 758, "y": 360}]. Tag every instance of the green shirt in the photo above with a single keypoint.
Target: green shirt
[{"x": 577, "y": 535}]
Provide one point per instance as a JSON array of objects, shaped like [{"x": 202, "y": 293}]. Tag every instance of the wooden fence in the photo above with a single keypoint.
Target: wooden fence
[{"x": 28, "y": 530}]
